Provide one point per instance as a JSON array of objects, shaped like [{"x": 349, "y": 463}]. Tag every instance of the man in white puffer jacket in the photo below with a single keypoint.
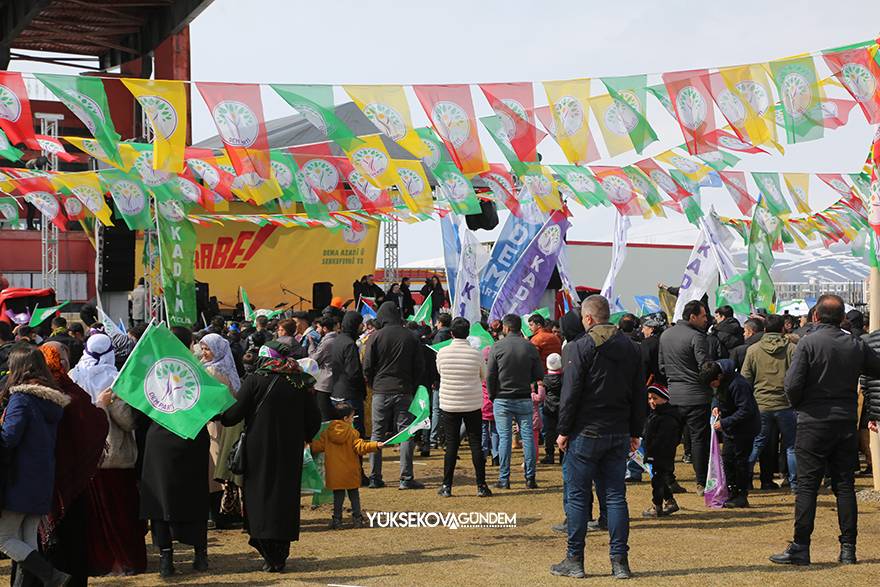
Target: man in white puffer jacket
[{"x": 462, "y": 372}]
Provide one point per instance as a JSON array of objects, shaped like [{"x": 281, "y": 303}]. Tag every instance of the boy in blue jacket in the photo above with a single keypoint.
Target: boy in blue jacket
[{"x": 735, "y": 415}]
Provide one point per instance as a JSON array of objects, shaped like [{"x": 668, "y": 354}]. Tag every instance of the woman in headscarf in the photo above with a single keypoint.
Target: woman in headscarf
[
  {"x": 280, "y": 415},
  {"x": 174, "y": 485},
  {"x": 78, "y": 449},
  {"x": 116, "y": 534},
  {"x": 216, "y": 356}
]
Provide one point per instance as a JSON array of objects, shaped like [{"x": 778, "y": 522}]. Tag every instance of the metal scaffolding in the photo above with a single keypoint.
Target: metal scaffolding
[
  {"x": 391, "y": 261},
  {"x": 48, "y": 230}
]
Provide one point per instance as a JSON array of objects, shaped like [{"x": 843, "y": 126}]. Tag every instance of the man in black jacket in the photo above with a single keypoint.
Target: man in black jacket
[
  {"x": 61, "y": 334},
  {"x": 753, "y": 332},
  {"x": 601, "y": 416},
  {"x": 392, "y": 366},
  {"x": 683, "y": 350},
  {"x": 821, "y": 385},
  {"x": 727, "y": 329},
  {"x": 514, "y": 366},
  {"x": 347, "y": 383},
  {"x": 442, "y": 334}
]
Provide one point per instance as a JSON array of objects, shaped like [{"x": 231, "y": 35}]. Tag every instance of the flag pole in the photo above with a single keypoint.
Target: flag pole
[{"x": 874, "y": 310}]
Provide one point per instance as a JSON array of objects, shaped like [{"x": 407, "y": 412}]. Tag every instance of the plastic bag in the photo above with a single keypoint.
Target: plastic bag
[
  {"x": 715, "y": 493},
  {"x": 312, "y": 481}
]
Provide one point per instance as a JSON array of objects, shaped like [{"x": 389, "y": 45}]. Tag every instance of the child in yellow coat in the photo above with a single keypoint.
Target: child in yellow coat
[{"x": 342, "y": 446}]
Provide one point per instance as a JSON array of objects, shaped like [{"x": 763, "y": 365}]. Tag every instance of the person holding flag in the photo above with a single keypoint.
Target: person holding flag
[{"x": 392, "y": 366}]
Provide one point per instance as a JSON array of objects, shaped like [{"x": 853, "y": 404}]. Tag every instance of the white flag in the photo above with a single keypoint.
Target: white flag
[
  {"x": 471, "y": 261},
  {"x": 618, "y": 254}
]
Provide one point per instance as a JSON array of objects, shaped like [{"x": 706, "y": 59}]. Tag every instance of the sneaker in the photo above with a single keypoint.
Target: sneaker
[
  {"x": 376, "y": 484},
  {"x": 595, "y": 525},
  {"x": 653, "y": 512},
  {"x": 768, "y": 486},
  {"x": 502, "y": 485},
  {"x": 365, "y": 481},
  {"x": 411, "y": 484},
  {"x": 335, "y": 524},
  {"x": 795, "y": 554},
  {"x": 620, "y": 567},
  {"x": 670, "y": 507},
  {"x": 569, "y": 568},
  {"x": 562, "y": 527},
  {"x": 531, "y": 483},
  {"x": 686, "y": 458},
  {"x": 483, "y": 490},
  {"x": 676, "y": 487},
  {"x": 700, "y": 490},
  {"x": 445, "y": 491},
  {"x": 360, "y": 521}
]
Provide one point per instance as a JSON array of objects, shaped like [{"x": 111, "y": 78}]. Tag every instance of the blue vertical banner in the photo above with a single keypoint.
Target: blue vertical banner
[
  {"x": 451, "y": 250},
  {"x": 515, "y": 236},
  {"x": 527, "y": 280}
]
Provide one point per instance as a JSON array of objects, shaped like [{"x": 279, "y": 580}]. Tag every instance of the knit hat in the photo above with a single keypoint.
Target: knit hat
[
  {"x": 659, "y": 390},
  {"x": 554, "y": 362}
]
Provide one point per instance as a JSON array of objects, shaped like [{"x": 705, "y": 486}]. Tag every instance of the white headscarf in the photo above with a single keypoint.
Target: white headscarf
[
  {"x": 222, "y": 362},
  {"x": 96, "y": 370}
]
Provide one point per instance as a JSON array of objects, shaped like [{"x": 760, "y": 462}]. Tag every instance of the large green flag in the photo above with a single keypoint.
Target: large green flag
[
  {"x": 162, "y": 379},
  {"x": 630, "y": 95},
  {"x": 735, "y": 292},
  {"x": 316, "y": 104},
  {"x": 246, "y": 303},
  {"x": 425, "y": 311},
  {"x": 476, "y": 330},
  {"x": 421, "y": 409},
  {"x": 177, "y": 249},
  {"x": 9, "y": 210},
  {"x": 130, "y": 196},
  {"x": 524, "y": 323},
  {"x": 85, "y": 97},
  {"x": 40, "y": 315}
]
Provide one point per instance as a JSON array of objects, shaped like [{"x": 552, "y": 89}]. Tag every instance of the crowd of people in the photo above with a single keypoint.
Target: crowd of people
[{"x": 86, "y": 476}]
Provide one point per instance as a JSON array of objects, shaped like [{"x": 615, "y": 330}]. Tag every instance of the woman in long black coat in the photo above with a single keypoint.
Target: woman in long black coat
[{"x": 276, "y": 433}]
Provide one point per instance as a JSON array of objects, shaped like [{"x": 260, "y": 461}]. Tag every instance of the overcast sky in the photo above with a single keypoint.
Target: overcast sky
[{"x": 389, "y": 41}]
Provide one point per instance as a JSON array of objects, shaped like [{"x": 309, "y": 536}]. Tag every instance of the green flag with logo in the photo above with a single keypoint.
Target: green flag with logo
[
  {"x": 735, "y": 293},
  {"x": 40, "y": 315},
  {"x": 162, "y": 379},
  {"x": 85, "y": 97},
  {"x": 130, "y": 197},
  {"x": 630, "y": 95},
  {"x": 420, "y": 407},
  {"x": 524, "y": 324},
  {"x": 316, "y": 104},
  {"x": 9, "y": 210},
  {"x": 177, "y": 249}
]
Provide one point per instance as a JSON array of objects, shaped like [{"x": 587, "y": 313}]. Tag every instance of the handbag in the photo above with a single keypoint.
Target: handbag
[{"x": 235, "y": 462}]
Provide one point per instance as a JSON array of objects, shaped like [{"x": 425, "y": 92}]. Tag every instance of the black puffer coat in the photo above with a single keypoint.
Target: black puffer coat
[{"x": 871, "y": 387}]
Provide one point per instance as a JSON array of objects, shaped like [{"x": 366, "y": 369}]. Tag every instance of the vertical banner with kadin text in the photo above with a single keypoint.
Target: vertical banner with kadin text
[{"x": 177, "y": 247}]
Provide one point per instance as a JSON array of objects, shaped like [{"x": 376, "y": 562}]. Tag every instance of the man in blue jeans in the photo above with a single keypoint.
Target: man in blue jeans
[
  {"x": 601, "y": 415},
  {"x": 514, "y": 366}
]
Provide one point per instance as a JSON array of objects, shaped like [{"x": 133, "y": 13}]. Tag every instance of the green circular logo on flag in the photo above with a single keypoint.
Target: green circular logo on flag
[
  {"x": 550, "y": 239},
  {"x": 433, "y": 158},
  {"x": 8, "y": 211},
  {"x": 207, "y": 172},
  {"x": 88, "y": 195},
  {"x": 73, "y": 207},
  {"x": 151, "y": 177},
  {"x": 731, "y": 106},
  {"x": 452, "y": 122},
  {"x": 684, "y": 164},
  {"x": 733, "y": 143},
  {"x": 618, "y": 189},
  {"x": 49, "y": 146},
  {"x": 412, "y": 181},
  {"x": 161, "y": 113},
  {"x": 755, "y": 94},
  {"x": 691, "y": 107},
  {"x": 189, "y": 190},
  {"x": 128, "y": 197},
  {"x": 44, "y": 202},
  {"x": 580, "y": 181},
  {"x": 237, "y": 123},
  {"x": 283, "y": 174},
  {"x": 321, "y": 175},
  {"x": 620, "y": 117},
  {"x": 570, "y": 113},
  {"x": 371, "y": 160},
  {"x": 455, "y": 187},
  {"x": 171, "y": 211},
  {"x": 859, "y": 81},
  {"x": 510, "y": 124},
  {"x": 664, "y": 181},
  {"x": 172, "y": 385},
  {"x": 10, "y": 106},
  {"x": 86, "y": 109},
  {"x": 796, "y": 94}
]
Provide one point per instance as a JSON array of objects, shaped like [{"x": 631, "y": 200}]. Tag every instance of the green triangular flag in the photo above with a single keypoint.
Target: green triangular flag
[
  {"x": 163, "y": 379},
  {"x": 316, "y": 104},
  {"x": 421, "y": 409},
  {"x": 425, "y": 311},
  {"x": 735, "y": 293},
  {"x": 40, "y": 315},
  {"x": 7, "y": 151},
  {"x": 630, "y": 94},
  {"x": 481, "y": 333}
]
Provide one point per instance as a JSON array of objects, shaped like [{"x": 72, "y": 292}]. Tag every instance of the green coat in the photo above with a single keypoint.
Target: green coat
[{"x": 765, "y": 366}]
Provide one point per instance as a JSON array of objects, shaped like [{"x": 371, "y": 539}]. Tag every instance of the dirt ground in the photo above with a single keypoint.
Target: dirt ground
[{"x": 695, "y": 546}]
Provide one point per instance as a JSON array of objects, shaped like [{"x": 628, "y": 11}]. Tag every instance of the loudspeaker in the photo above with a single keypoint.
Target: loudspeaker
[
  {"x": 117, "y": 258},
  {"x": 322, "y": 294},
  {"x": 487, "y": 219},
  {"x": 202, "y": 296}
]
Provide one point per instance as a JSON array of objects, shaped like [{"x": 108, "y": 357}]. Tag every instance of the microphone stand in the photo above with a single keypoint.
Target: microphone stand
[{"x": 300, "y": 300}]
